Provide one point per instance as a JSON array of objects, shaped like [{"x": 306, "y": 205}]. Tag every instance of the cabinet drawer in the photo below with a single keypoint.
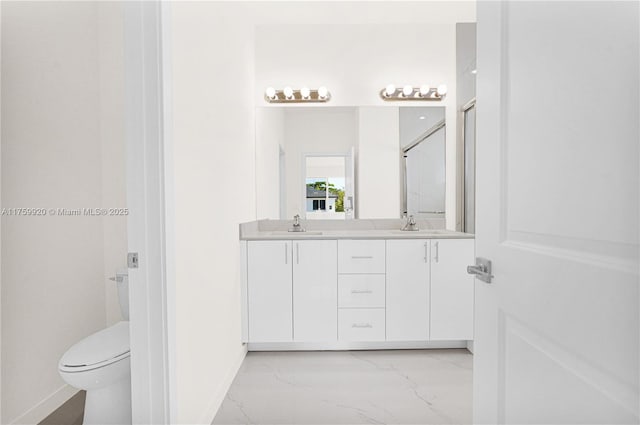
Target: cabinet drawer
[
  {"x": 361, "y": 324},
  {"x": 365, "y": 256},
  {"x": 361, "y": 290}
]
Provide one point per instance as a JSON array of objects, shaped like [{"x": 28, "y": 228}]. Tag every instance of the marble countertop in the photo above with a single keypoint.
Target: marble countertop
[{"x": 272, "y": 230}]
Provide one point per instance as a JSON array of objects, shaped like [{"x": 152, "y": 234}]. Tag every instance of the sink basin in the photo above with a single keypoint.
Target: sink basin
[{"x": 287, "y": 233}]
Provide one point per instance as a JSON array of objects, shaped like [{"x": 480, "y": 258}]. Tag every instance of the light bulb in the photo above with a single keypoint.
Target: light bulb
[
  {"x": 442, "y": 89},
  {"x": 407, "y": 90},
  {"x": 390, "y": 90},
  {"x": 288, "y": 92},
  {"x": 474, "y": 71},
  {"x": 424, "y": 90},
  {"x": 322, "y": 92},
  {"x": 270, "y": 93},
  {"x": 305, "y": 92}
]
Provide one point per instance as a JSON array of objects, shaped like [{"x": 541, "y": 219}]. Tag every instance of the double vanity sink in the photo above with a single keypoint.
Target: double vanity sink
[{"x": 359, "y": 284}]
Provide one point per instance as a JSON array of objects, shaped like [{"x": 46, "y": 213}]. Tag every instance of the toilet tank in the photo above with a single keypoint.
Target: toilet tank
[{"x": 122, "y": 281}]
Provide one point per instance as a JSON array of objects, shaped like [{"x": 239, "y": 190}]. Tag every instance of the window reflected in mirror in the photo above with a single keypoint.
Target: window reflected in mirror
[{"x": 325, "y": 180}]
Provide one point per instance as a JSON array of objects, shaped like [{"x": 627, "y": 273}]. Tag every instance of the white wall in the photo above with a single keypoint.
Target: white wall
[
  {"x": 213, "y": 141},
  {"x": 269, "y": 140},
  {"x": 53, "y": 268},
  {"x": 113, "y": 155},
  {"x": 378, "y": 163},
  {"x": 313, "y": 131},
  {"x": 356, "y": 61}
]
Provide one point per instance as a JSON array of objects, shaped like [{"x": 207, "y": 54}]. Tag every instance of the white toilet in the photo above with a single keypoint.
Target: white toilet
[{"x": 100, "y": 364}]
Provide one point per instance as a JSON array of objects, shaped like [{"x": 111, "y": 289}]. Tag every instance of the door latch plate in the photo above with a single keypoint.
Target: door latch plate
[{"x": 132, "y": 260}]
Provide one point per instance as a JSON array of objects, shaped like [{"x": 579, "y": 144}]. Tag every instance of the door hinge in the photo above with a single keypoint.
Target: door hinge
[{"x": 132, "y": 260}]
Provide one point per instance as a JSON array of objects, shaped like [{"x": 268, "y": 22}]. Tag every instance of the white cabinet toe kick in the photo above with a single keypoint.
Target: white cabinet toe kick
[{"x": 357, "y": 294}]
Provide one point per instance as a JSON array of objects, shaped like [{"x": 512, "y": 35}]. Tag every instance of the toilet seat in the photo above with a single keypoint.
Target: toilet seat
[{"x": 98, "y": 350}]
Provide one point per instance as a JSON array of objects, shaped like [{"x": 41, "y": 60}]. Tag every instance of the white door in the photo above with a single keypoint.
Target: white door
[
  {"x": 451, "y": 289},
  {"x": 407, "y": 290},
  {"x": 270, "y": 291},
  {"x": 315, "y": 291},
  {"x": 557, "y": 213}
]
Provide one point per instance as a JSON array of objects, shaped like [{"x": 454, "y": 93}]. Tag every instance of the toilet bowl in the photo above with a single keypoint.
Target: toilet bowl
[{"x": 100, "y": 364}]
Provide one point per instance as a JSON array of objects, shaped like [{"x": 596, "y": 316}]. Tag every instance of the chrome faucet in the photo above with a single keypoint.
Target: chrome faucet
[
  {"x": 296, "y": 224},
  {"x": 411, "y": 225}
]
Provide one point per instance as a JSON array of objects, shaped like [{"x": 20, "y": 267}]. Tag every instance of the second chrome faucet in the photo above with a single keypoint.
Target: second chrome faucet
[{"x": 297, "y": 227}]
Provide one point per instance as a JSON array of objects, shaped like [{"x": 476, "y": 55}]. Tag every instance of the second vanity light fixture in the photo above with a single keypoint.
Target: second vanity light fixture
[
  {"x": 304, "y": 95},
  {"x": 408, "y": 92}
]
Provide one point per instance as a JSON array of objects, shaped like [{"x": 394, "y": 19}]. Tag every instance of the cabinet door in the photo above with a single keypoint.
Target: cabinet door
[
  {"x": 270, "y": 291},
  {"x": 451, "y": 289},
  {"x": 407, "y": 290},
  {"x": 315, "y": 290}
]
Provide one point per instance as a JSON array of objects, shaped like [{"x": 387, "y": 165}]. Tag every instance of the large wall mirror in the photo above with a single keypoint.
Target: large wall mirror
[{"x": 343, "y": 163}]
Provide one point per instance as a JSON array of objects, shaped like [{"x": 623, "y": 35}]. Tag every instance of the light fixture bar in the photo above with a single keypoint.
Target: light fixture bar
[
  {"x": 410, "y": 93},
  {"x": 303, "y": 95}
]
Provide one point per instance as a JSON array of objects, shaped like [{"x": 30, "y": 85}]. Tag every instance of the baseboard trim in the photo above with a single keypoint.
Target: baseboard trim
[
  {"x": 43, "y": 409},
  {"x": 338, "y": 346},
  {"x": 218, "y": 398}
]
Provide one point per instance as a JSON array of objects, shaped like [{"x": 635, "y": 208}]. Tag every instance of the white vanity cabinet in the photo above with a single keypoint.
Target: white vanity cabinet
[
  {"x": 429, "y": 293},
  {"x": 452, "y": 289},
  {"x": 292, "y": 290},
  {"x": 315, "y": 290},
  {"x": 408, "y": 299},
  {"x": 269, "y": 292},
  {"x": 358, "y": 293}
]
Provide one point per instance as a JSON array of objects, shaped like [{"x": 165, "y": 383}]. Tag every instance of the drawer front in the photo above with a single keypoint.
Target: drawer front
[
  {"x": 361, "y": 290},
  {"x": 361, "y": 256},
  {"x": 361, "y": 324}
]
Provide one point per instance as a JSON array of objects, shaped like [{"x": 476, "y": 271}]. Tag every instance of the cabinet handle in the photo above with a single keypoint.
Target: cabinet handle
[
  {"x": 426, "y": 252},
  {"x": 361, "y": 291},
  {"x": 297, "y": 254},
  {"x": 361, "y": 257},
  {"x": 437, "y": 244},
  {"x": 286, "y": 261},
  {"x": 362, "y": 325}
]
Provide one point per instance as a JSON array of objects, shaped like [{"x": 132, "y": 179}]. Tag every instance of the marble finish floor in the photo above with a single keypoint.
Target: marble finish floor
[{"x": 351, "y": 387}]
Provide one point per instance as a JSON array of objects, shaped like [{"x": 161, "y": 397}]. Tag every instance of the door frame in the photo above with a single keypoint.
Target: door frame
[{"x": 150, "y": 202}]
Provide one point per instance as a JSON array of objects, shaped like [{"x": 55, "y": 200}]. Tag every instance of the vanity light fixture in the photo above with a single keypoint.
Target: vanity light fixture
[
  {"x": 409, "y": 92},
  {"x": 290, "y": 95}
]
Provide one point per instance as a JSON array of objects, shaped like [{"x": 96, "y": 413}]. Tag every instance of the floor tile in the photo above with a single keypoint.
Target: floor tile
[{"x": 351, "y": 387}]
